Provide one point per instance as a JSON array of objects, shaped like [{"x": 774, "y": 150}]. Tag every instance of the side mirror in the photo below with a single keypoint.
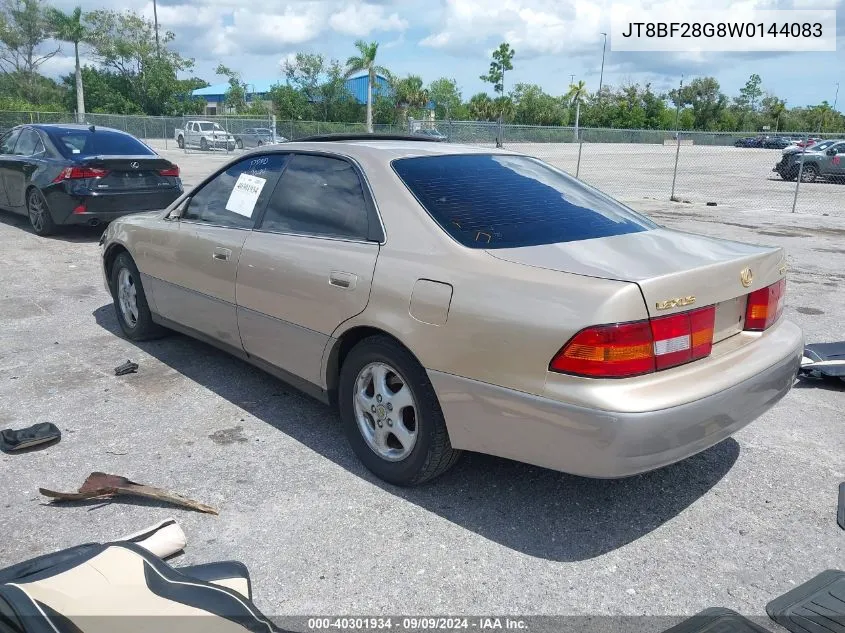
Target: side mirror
[{"x": 179, "y": 209}]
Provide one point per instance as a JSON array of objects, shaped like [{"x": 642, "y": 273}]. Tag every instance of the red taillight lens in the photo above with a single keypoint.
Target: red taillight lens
[
  {"x": 170, "y": 171},
  {"x": 624, "y": 349},
  {"x": 631, "y": 349},
  {"x": 765, "y": 306},
  {"x": 78, "y": 173}
]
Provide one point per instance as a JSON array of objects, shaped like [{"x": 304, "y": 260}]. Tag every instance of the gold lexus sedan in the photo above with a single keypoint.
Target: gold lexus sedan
[{"x": 448, "y": 298}]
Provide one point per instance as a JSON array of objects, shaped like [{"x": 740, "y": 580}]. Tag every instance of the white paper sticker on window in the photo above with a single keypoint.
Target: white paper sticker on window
[{"x": 245, "y": 195}]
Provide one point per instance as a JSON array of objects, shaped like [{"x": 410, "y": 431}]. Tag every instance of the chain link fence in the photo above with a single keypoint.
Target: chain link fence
[{"x": 737, "y": 170}]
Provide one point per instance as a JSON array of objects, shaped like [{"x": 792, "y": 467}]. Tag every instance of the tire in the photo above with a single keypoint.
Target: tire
[
  {"x": 203, "y": 144},
  {"x": 137, "y": 325},
  {"x": 810, "y": 173},
  {"x": 430, "y": 453},
  {"x": 39, "y": 214},
  {"x": 239, "y": 143},
  {"x": 181, "y": 142}
]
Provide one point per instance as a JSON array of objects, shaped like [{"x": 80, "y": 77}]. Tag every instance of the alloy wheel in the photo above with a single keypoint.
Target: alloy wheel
[
  {"x": 386, "y": 411},
  {"x": 127, "y": 297}
]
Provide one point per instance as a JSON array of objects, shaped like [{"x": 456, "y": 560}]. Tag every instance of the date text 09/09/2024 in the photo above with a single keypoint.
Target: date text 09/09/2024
[
  {"x": 723, "y": 29},
  {"x": 420, "y": 623}
]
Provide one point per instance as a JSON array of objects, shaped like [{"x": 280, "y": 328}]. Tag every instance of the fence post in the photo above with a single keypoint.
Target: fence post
[
  {"x": 580, "y": 147},
  {"x": 800, "y": 172},
  {"x": 144, "y": 121},
  {"x": 675, "y": 172},
  {"x": 164, "y": 130}
]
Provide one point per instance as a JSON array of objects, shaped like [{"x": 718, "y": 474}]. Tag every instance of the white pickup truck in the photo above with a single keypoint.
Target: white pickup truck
[{"x": 205, "y": 135}]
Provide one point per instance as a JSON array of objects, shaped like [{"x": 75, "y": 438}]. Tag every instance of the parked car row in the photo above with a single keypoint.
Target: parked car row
[
  {"x": 207, "y": 135},
  {"x": 822, "y": 159},
  {"x": 768, "y": 142}
]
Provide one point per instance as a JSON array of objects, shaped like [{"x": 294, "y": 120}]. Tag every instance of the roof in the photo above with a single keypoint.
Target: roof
[
  {"x": 258, "y": 86},
  {"x": 68, "y": 127},
  {"x": 357, "y": 85},
  {"x": 386, "y": 151}
]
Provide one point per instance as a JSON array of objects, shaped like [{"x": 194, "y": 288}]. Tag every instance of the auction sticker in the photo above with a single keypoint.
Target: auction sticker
[{"x": 245, "y": 195}]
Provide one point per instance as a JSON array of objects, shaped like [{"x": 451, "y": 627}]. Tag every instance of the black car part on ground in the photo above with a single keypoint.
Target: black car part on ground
[
  {"x": 717, "y": 620},
  {"x": 823, "y": 360},
  {"x": 35, "y": 435},
  {"x": 177, "y": 590},
  {"x": 817, "y": 606}
]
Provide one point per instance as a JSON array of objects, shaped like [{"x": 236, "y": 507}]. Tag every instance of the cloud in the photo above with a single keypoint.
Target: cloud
[{"x": 361, "y": 19}]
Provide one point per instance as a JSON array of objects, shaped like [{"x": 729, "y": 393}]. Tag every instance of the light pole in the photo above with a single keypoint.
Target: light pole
[
  {"x": 836, "y": 97},
  {"x": 155, "y": 19},
  {"x": 601, "y": 75}
]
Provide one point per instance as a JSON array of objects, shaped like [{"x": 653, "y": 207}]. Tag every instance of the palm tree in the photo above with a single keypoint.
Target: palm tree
[
  {"x": 576, "y": 93},
  {"x": 366, "y": 60},
  {"x": 410, "y": 93},
  {"x": 69, "y": 27},
  {"x": 776, "y": 112}
]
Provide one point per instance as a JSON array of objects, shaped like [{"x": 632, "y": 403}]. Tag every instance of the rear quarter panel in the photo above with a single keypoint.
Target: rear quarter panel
[{"x": 505, "y": 321}]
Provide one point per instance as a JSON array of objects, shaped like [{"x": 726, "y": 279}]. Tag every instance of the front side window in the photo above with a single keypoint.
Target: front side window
[
  {"x": 503, "y": 201},
  {"x": 234, "y": 197},
  {"x": 318, "y": 195}
]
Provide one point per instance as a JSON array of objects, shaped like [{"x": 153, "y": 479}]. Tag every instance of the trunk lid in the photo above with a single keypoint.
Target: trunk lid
[
  {"x": 676, "y": 271},
  {"x": 131, "y": 173}
]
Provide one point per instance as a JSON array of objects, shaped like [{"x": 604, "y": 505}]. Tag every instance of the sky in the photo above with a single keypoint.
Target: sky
[{"x": 553, "y": 40}]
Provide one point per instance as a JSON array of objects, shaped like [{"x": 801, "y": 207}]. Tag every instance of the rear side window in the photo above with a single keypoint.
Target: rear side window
[
  {"x": 29, "y": 143},
  {"x": 500, "y": 201},
  {"x": 82, "y": 143},
  {"x": 7, "y": 142},
  {"x": 318, "y": 195}
]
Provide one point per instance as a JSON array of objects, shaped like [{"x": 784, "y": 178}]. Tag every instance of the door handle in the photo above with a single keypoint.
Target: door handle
[
  {"x": 347, "y": 281},
  {"x": 223, "y": 254}
]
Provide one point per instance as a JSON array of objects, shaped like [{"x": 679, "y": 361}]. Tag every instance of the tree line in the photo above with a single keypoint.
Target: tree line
[{"x": 136, "y": 72}]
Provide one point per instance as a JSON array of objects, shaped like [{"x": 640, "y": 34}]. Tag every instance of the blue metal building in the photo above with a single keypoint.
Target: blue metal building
[{"x": 259, "y": 90}]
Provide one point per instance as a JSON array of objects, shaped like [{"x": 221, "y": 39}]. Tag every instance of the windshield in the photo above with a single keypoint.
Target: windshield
[
  {"x": 502, "y": 201},
  {"x": 82, "y": 143}
]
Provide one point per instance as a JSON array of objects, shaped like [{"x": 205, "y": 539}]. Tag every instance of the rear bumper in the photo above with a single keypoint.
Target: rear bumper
[
  {"x": 107, "y": 207},
  {"x": 607, "y": 444}
]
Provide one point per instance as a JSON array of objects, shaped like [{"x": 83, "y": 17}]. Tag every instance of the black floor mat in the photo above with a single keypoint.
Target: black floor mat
[
  {"x": 817, "y": 606},
  {"x": 717, "y": 620}
]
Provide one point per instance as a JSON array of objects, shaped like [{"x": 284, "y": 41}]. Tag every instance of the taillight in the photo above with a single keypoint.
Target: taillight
[
  {"x": 623, "y": 349},
  {"x": 170, "y": 171},
  {"x": 765, "y": 306},
  {"x": 78, "y": 173},
  {"x": 642, "y": 347}
]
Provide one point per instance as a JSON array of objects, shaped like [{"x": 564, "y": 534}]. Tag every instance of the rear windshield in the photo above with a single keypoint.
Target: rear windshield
[
  {"x": 501, "y": 201},
  {"x": 82, "y": 143}
]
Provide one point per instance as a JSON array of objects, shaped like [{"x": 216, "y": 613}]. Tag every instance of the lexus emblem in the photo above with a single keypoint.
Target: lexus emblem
[
  {"x": 134, "y": 164},
  {"x": 746, "y": 277}
]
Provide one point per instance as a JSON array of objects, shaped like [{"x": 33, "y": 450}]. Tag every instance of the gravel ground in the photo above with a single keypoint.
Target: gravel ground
[{"x": 735, "y": 526}]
